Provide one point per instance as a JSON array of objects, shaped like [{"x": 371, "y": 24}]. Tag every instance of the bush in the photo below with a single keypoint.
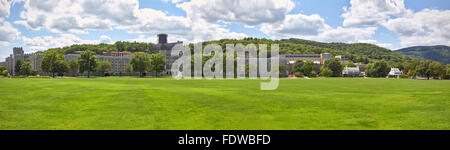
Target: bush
[
  {"x": 325, "y": 72},
  {"x": 18, "y": 77},
  {"x": 44, "y": 77},
  {"x": 313, "y": 73}
]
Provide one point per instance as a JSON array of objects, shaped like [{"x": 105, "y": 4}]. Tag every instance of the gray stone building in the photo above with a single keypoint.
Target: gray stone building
[{"x": 119, "y": 60}]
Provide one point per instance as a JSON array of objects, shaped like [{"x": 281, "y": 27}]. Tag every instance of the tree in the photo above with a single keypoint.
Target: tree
[
  {"x": 281, "y": 69},
  {"x": 4, "y": 72},
  {"x": 103, "y": 67},
  {"x": 34, "y": 72},
  {"x": 73, "y": 67},
  {"x": 158, "y": 63},
  {"x": 436, "y": 69},
  {"x": 87, "y": 62},
  {"x": 25, "y": 68},
  {"x": 18, "y": 66},
  {"x": 308, "y": 67},
  {"x": 325, "y": 71},
  {"x": 140, "y": 62},
  {"x": 377, "y": 69},
  {"x": 335, "y": 66},
  {"x": 129, "y": 69},
  {"x": 423, "y": 69},
  {"x": 2, "y": 69},
  {"x": 62, "y": 67},
  {"x": 54, "y": 62},
  {"x": 446, "y": 73},
  {"x": 351, "y": 65},
  {"x": 297, "y": 67}
]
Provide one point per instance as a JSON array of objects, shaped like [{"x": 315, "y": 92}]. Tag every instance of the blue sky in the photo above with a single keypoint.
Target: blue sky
[{"x": 38, "y": 25}]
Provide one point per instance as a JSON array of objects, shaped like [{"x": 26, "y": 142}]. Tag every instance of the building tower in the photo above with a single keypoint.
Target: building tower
[
  {"x": 324, "y": 57},
  {"x": 162, "y": 38}
]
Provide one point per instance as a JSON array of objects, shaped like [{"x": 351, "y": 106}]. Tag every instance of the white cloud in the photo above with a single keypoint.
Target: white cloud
[
  {"x": 3, "y": 43},
  {"x": 46, "y": 42},
  {"x": 5, "y": 7},
  {"x": 155, "y": 21},
  {"x": 347, "y": 35},
  {"x": 385, "y": 45},
  {"x": 105, "y": 39},
  {"x": 65, "y": 16},
  {"x": 294, "y": 25},
  {"x": 313, "y": 27},
  {"x": 371, "y": 12},
  {"x": 80, "y": 16},
  {"x": 248, "y": 12},
  {"x": 173, "y": 1},
  {"x": 154, "y": 39},
  {"x": 8, "y": 32},
  {"x": 427, "y": 27}
]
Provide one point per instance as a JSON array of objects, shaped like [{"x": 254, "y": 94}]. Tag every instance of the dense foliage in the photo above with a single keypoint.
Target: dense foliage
[
  {"x": 335, "y": 66},
  {"x": 377, "y": 69},
  {"x": 157, "y": 63},
  {"x": 140, "y": 62},
  {"x": 87, "y": 62},
  {"x": 436, "y": 53},
  {"x": 100, "y": 48},
  {"x": 54, "y": 62},
  {"x": 104, "y": 67}
]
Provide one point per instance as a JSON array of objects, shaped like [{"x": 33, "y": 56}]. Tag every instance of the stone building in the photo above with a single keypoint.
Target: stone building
[
  {"x": 318, "y": 59},
  {"x": 119, "y": 60}
]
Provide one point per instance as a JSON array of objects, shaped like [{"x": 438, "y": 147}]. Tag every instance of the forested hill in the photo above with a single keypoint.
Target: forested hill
[
  {"x": 438, "y": 53},
  {"x": 370, "y": 50},
  {"x": 100, "y": 48},
  {"x": 358, "y": 52},
  {"x": 355, "y": 52}
]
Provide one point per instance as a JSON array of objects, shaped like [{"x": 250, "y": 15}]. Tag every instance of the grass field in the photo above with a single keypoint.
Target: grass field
[{"x": 158, "y": 104}]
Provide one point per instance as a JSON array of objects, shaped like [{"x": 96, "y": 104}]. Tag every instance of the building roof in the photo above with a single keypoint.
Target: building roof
[
  {"x": 351, "y": 70},
  {"x": 301, "y": 55},
  {"x": 395, "y": 72}
]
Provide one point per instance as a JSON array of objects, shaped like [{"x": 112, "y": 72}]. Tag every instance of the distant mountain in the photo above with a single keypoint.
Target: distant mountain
[
  {"x": 438, "y": 53},
  {"x": 358, "y": 49}
]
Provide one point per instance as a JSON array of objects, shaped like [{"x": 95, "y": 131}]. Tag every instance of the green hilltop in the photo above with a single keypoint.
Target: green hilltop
[
  {"x": 357, "y": 52},
  {"x": 438, "y": 53}
]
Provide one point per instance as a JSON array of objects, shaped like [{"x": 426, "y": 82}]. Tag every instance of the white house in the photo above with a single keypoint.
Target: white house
[{"x": 395, "y": 72}]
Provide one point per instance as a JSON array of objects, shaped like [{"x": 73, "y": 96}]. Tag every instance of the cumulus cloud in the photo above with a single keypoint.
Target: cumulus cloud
[
  {"x": 8, "y": 33},
  {"x": 173, "y": 1},
  {"x": 248, "y": 12},
  {"x": 59, "y": 16},
  {"x": 46, "y": 42},
  {"x": 154, "y": 39},
  {"x": 313, "y": 27},
  {"x": 105, "y": 39},
  {"x": 5, "y": 7},
  {"x": 81, "y": 16},
  {"x": 155, "y": 21},
  {"x": 347, "y": 35},
  {"x": 427, "y": 27},
  {"x": 371, "y": 12},
  {"x": 296, "y": 25},
  {"x": 385, "y": 45}
]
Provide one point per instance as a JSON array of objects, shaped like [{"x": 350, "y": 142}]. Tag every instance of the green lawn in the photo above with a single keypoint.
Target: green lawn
[{"x": 158, "y": 104}]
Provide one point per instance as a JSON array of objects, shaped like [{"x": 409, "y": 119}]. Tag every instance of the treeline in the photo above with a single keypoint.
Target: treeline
[
  {"x": 413, "y": 69},
  {"x": 352, "y": 51},
  {"x": 54, "y": 63},
  {"x": 100, "y": 48},
  {"x": 438, "y": 53},
  {"x": 358, "y": 53}
]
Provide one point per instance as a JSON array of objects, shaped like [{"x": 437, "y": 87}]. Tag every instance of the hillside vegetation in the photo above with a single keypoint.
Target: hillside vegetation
[
  {"x": 438, "y": 53},
  {"x": 358, "y": 52}
]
